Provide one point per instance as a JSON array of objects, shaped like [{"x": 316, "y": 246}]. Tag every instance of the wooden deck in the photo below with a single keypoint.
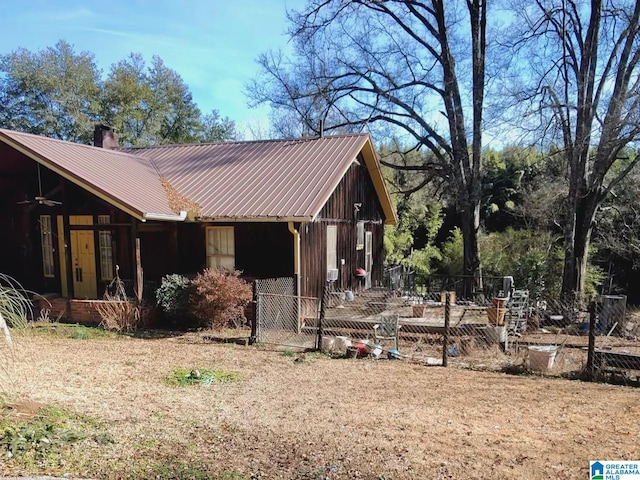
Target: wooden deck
[{"x": 607, "y": 359}]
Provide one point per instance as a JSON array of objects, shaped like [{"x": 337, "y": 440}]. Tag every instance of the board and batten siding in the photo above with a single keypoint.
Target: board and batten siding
[{"x": 354, "y": 192}]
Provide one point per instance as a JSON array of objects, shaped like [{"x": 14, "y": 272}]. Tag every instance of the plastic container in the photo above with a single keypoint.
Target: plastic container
[
  {"x": 393, "y": 354},
  {"x": 542, "y": 358}
]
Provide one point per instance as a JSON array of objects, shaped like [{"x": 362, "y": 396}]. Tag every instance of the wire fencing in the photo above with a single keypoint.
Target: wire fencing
[{"x": 511, "y": 333}]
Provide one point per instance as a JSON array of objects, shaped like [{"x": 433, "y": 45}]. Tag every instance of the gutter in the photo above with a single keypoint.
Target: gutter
[
  {"x": 296, "y": 264},
  {"x": 165, "y": 217}
]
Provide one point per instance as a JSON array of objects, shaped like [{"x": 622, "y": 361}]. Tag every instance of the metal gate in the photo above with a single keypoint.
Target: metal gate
[{"x": 287, "y": 320}]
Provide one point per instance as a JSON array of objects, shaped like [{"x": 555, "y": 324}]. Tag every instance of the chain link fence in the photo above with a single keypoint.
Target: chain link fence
[
  {"x": 283, "y": 318},
  {"x": 511, "y": 333}
]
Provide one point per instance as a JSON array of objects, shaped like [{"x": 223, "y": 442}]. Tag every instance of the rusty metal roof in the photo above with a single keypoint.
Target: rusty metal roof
[
  {"x": 275, "y": 179},
  {"x": 272, "y": 180},
  {"x": 129, "y": 182}
]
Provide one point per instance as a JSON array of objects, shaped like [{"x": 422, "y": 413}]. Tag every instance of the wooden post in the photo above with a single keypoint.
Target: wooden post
[
  {"x": 139, "y": 282},
  {"x": 134, "y": 253},
  {"x": 259, "y": 314},
  {"x": 67, "y": 241},
  {"x": 323, "y": 309},
  {"x": 590, "y": 373},
  {"x": 254, "y": 319},
  {"x": 445, "y": 336}
]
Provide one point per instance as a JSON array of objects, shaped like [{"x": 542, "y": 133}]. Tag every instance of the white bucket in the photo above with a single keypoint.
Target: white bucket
[{"x": 541, "y": 358}]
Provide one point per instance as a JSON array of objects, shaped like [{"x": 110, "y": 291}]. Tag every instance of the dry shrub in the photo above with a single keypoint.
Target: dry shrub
[
  {"x": 220, "y": 297},
  {"x": 118, "y": 315},
  {"x": 117, "y": 312}
]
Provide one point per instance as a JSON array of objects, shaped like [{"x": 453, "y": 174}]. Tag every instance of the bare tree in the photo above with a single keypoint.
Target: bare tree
[
  {"x": 583, "y": 86},
  {"x": 393, "y": 67}
]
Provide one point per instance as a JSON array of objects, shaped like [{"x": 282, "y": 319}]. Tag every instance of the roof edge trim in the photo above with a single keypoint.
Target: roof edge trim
[
  {"x": 379, "y": 183},
  {"x": 255, "y": 219},
  {"x": 166, "y": 217}
]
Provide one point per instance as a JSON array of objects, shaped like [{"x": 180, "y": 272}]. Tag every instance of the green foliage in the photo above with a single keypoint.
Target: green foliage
[
  {"x": 59, "y": 93},
  {"x": 65, "y": 330},
  {"x": 452, "y": 254},
  {"x": 151, "y": 105},
  {"x": 175, "y": 468},
  {"x": 42, "y": 438},
  {"x": 181, "y": 377},
  {"x": 52, "y": 92},
  {"x": 410, "y": 242},
  {"x": 219, "y": 297},
  {"x": 532, "y": 258},
  {"x": 174, "y": 298}
]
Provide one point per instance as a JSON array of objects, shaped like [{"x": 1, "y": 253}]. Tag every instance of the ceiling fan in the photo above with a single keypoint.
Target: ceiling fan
[{"x": 41, "y": 199}]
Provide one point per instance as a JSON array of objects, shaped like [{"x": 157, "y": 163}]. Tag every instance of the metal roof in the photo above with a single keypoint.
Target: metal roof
[
  {"x": 128, "y": 182},
  {"x": 276, "y": 179},
  {"x": 271, "y": 180}
]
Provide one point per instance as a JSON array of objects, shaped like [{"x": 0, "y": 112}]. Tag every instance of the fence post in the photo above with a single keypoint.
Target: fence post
[
  {"x": 592, "y": 342},
  {"x": 255, "y": 325},
  {"x": 323, "y": 309},
  {"x": 445, "y": 336}
]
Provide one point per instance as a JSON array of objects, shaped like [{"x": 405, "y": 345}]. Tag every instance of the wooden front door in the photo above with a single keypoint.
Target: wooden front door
[{"x": 83, "y": 258}]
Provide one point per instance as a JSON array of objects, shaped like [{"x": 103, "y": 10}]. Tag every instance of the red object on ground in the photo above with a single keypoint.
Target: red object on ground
[{"x": 360, "y": 272}]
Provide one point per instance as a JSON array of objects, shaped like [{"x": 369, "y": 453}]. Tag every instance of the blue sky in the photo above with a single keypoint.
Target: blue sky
[{"x": 212, "y": 44}]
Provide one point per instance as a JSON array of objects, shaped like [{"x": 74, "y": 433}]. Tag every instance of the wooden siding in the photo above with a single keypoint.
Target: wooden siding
[
  {"x": 262, "y": 250},
  {"x": 355, "y": 188}
]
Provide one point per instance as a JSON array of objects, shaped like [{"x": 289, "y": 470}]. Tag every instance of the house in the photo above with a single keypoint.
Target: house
[{"x": 311, "y": 208}]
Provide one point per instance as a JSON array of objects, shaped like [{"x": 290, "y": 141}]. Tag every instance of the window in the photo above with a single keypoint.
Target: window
[
  {"x": 221, "y": 248},
  {"x": 46, "y": 237},
  {"x": 106, "y": 250},
  {"x": 360, "y": 235},
  {"x": 332, "y": 247}
]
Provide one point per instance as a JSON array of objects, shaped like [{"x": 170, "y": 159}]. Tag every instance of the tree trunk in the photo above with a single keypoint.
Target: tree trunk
[
  {"x": 470, "y": 223},
  {"x": 576, "y": 254}
]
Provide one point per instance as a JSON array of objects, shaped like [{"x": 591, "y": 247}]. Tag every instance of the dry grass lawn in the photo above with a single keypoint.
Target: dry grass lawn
[{"x": 317, "y": 417}]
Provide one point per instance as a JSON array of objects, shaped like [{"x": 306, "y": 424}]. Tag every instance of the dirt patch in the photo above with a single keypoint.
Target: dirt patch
[
  {"x": 314, "y": 417},
  {"x": 23, "y": 410}
]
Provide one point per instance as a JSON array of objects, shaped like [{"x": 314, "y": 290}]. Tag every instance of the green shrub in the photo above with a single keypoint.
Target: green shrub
[
  {"x": 174, "y": 297},
  {"x": 181, "y": 377},
  {"x": 219, "y": 298}
]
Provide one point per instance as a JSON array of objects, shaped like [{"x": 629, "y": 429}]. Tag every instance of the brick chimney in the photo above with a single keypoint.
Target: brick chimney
[{"x": 105, "y": 136}]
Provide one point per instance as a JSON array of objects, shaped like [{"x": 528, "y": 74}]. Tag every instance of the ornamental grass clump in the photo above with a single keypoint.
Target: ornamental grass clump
[
  {"x": 116, "y": 311},
  {"x": 14, "y": 306},
  {"x": 219, "y": 298},
  {"x": 14, "y": 302}
]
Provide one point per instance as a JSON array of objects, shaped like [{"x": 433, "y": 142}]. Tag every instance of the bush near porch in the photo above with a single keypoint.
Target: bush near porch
[{"x": 213, "y": 299}]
